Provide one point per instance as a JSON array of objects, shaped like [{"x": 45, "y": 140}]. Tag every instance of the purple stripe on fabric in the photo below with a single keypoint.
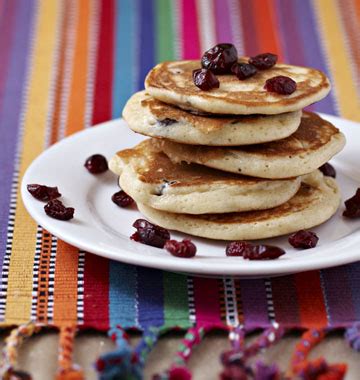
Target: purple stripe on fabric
[
  {"x": 338, "y": 297},
  {"x": 353, "y": 273},
  {"x": 6, "y": 37},
  {"x": 293, "y": 45},
  {"x": 150, "y": 297},
  {"x": 146, "y": 42},
  {"x": 313, "y": 52},
  {"x": 248, "y": 22},
  {"x": 12, "y": 103},
  {"x": 222, "y": 22},
  {"x": 254, "y": 303}
]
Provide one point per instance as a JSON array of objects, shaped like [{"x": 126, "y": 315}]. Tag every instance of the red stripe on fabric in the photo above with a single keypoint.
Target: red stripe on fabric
[
  {"x": 311, "y": 300},
  {"x": 190, "y": 30},
  {"x": 266, "y": 27},
  {"x": 207, "y": 302},
  {"x": 248, "y": 23},
  {"x": 285, "y": 301},
  {"x": 96, "y": 292},
  {"x": 104, "y": 71}
]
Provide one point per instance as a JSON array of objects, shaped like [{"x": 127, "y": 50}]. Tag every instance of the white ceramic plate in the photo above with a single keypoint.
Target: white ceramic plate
[{"x": 103, "y": 228}]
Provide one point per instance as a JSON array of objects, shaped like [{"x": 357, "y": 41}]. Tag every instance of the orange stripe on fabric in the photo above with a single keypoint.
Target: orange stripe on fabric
[
  {"x": 77, "y": 101},
  {"x": 20, "y": 280},
  {"x": 60, "y": 77},
  {"x": 266, "y": 27},
  {"x": 65, "y": 292},
  {"x": 310, "y": 299},
  {"x": 338, "y": 58}
]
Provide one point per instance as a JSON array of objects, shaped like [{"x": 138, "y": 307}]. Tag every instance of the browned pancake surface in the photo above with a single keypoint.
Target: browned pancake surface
[{"x": 177, "y": 77}]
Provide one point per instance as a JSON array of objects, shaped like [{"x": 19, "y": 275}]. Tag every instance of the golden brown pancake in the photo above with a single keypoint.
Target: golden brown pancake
[
  {"x": 150, "y": 177},
  {"x": 171, "y": 82},
  {"x": 151, "y": 117},
  {"x": 315, "y": 202},
  {"x": 314, "y": 143}
]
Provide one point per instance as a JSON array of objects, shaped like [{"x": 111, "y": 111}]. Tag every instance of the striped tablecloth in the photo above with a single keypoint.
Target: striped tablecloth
[{"x": 67, "y": 65}]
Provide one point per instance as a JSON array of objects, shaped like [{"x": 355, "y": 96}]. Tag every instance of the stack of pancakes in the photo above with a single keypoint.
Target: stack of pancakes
[{"x": 233, "y": 163}]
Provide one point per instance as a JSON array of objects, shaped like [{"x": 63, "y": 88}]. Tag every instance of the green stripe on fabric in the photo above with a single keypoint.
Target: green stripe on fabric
[
  {"x": 164, "y": 31},
  {"x": 176, "y": 305}
]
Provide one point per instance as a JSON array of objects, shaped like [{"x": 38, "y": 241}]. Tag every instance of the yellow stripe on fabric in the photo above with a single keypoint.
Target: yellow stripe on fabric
[
  {"x": 20, "y": 281},
  {"x": 338, "y": 59}
]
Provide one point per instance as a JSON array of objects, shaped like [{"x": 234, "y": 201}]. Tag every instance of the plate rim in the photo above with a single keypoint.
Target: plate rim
[{"x": 260, "y": 269}]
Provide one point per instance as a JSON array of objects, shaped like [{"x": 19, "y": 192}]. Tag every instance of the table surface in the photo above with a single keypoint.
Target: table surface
[{"x": 38, "y": 354}]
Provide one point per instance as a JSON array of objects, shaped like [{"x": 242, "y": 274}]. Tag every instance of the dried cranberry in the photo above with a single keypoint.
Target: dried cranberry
[
  {"x": 17, "y": 375},
  {"x": 253, "y": 251},
  {"x": 96, "y": 164},
  {"x": 150, "y": 234},
  {"x": 57, "y": 210},
  {"x": 328, "y": 170},
  {"x": 43, "y": 193},
  {"x": 243, "y": 70},
  {"x": 167, "y": 121},
  {"x": 205, "y": 79},
  {"x": 281, "y": 85},
  {"x": 353, "y": 206},
  {"x": 122, "y": 199},
  {"x": 303, "y": 239},
  {"x": 220, "y": 58},
  {"x": 264, "y": 61},
  {"x": 236, "y": 248},
  {"x": 183, "y": 248}
]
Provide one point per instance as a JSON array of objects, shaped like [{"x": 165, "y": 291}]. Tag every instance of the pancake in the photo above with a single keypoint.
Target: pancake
[
  {"x": 171, "y": 82},
  {"x": 149, "y": 177},
  {"x": 151, "y": 117},
  {"x": 313, "y": 144},
  {"x": 316, "y": 201}
]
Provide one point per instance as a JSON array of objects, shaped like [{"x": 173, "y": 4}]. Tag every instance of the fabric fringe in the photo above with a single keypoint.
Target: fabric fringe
[
  {"x": 317, "y": 369},
  {"x": 122, "y": 363},
  {"x": 11, "y": 350},
  {"x": 67, "y": 370}
]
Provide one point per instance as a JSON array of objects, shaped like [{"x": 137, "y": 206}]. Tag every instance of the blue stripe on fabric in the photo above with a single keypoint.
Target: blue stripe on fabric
[
  {"x": 150, "y": 291},
  {"x": 122, "y": 295},
  {"x": 11, "y": 107},
  {"x": 353, "y": 272},
  {"x": 314, "y": 55},
  {"x": 124, "y": 54},
  {"x": 147, "y": 40}
]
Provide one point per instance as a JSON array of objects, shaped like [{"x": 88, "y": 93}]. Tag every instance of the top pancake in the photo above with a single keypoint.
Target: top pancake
[
  {"x": 151, "y": 117},
  {"x": 171, "y": 82}
]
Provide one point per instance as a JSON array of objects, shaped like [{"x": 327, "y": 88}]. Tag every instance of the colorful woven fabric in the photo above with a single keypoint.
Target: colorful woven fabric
[{"x": 66, "y": 65}]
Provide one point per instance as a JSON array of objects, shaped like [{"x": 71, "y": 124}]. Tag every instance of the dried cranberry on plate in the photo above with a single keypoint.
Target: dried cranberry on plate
[
  {"x": 220, "y": 58},
  {"x": 281, "y": 85},
  {"x": 205, "y": 79},
  {"x": 243, "y": 70},
  {"x": 122, "y": 199},
  {"x": 43, "y": 192},
  {"x": 96, "y": 164},
  {"x": 57, "y": 210},
  {"x": 150, "y": 234},
  {"x": 264, "y": 61},
  {"x": 352, "y": 206},
  {"x": 303, "y": 239},
  {"x": 253, "y": 251},
  {"x": 185, "y": 248},
  {"x": 328, "y": 170}
]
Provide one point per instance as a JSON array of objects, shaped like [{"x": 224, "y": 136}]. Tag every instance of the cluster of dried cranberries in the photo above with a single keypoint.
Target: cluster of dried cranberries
[
  {"x": 223, "y": 59},
  {"x": 53, "y": 207},
  {"x": 156, "y": 236}
]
